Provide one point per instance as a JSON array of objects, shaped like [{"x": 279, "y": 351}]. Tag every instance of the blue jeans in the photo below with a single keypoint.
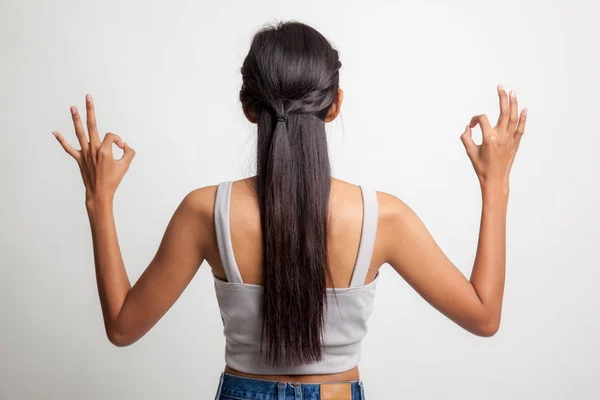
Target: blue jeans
[{"x": 233, "y": 387}]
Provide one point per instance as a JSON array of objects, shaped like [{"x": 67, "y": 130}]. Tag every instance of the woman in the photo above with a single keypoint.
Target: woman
[{"x": 295, "y": 253}]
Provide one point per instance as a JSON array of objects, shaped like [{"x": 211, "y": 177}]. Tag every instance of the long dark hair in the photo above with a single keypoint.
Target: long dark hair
[{"x": 291, "y": 69}]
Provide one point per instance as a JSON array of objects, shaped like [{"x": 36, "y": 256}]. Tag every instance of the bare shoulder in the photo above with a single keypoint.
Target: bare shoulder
[
  {"x": 201, "y": 202},
  {"x": 398, "y": 225},
  {"x": 343, "y": 191},
  {"x": 392, "y": 209}
]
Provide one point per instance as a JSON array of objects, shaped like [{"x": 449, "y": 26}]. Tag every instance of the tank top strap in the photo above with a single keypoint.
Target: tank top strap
[
  {"x": 223, "y": 232},
  {"x": 367, "y": 238}
]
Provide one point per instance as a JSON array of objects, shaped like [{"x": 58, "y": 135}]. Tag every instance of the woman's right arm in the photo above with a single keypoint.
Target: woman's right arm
[{"x": 410, "y": 249}]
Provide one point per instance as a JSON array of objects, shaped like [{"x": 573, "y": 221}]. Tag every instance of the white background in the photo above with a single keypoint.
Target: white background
[{"x": 165, "y": 76}]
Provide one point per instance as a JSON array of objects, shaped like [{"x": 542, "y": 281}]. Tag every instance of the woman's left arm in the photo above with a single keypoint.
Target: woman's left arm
[{"x": 130, "y": 312}]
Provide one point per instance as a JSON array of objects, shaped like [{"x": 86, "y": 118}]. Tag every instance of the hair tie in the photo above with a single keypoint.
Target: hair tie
[{"x": 282, "y": 118}]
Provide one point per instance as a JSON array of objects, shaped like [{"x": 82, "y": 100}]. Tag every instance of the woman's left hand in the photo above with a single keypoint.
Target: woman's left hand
[{"x": 100, "y": 171}]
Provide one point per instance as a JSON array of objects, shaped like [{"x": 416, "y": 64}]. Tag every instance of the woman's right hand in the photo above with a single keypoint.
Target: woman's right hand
[{"x": 493, "y": 159}]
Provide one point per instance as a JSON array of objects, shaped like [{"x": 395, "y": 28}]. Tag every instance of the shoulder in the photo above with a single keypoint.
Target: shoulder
[
  {"x": 391, "y": 208},
  {"x": 200, "y": 202},
  {"x": 396, "y": 218}
]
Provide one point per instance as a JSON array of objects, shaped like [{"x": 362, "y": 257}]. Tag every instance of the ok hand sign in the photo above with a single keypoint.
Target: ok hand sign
[
  {"x": 493, "y": 159},
  {"x": 100, "y": 171}
]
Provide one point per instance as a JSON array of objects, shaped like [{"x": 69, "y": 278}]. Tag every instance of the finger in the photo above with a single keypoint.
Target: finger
[
  {"x": 91, "y": 122},
  {"x": 521, "y": 126},
  {"x": 79, "y": 131},
  {"x": 484, "y": 123},
  {"x": 128, "y": 153},
  {"x": 480, "y": 119},
  {"x": 467, "y": 140},
  {"x": 73, "y": 152},
  {"x": 109, "y": 139},
  {"x": 504, "y": 108},
  {"x": 514, "y": 113}
]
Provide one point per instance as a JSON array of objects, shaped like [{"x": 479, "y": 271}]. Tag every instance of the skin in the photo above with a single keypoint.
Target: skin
[{"x": 402, "y": 241}]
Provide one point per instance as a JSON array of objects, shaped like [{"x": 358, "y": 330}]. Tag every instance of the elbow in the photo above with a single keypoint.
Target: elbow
[
  {"x": 119, "y": 338},
  {"x": 487, "y": 328},
  {"x": 488, "y": 331}
]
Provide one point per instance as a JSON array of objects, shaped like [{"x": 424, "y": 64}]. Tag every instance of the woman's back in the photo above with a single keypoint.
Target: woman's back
[
  {"x": 238, "y": 270},
  {"x": 345, "y": 218}
]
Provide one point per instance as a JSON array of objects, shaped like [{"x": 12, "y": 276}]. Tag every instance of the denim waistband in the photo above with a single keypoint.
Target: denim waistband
[{"x": 240, "y": 387}]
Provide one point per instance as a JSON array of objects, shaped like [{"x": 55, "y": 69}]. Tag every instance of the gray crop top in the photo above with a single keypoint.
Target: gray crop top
[{"x": 345, "y": 322}]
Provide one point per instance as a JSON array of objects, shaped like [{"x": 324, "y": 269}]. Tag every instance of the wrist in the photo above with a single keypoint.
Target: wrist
[
  {"x": 495, "y": 187},
  {"x": 95, "y": 202},
  {"x": 495, "y": 192}
]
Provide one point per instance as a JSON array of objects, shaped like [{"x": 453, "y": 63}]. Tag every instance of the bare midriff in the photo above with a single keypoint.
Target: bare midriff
[{"x": 350, "y": 375}]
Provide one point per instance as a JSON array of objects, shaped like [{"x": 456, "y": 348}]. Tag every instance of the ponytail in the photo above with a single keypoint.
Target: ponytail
[{"x": 290, "y": 80}]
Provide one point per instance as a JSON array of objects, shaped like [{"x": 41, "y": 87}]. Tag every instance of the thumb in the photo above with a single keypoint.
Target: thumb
[
  {"x": 467, "y": 140},
  {"x": 128, "y": 153}
]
